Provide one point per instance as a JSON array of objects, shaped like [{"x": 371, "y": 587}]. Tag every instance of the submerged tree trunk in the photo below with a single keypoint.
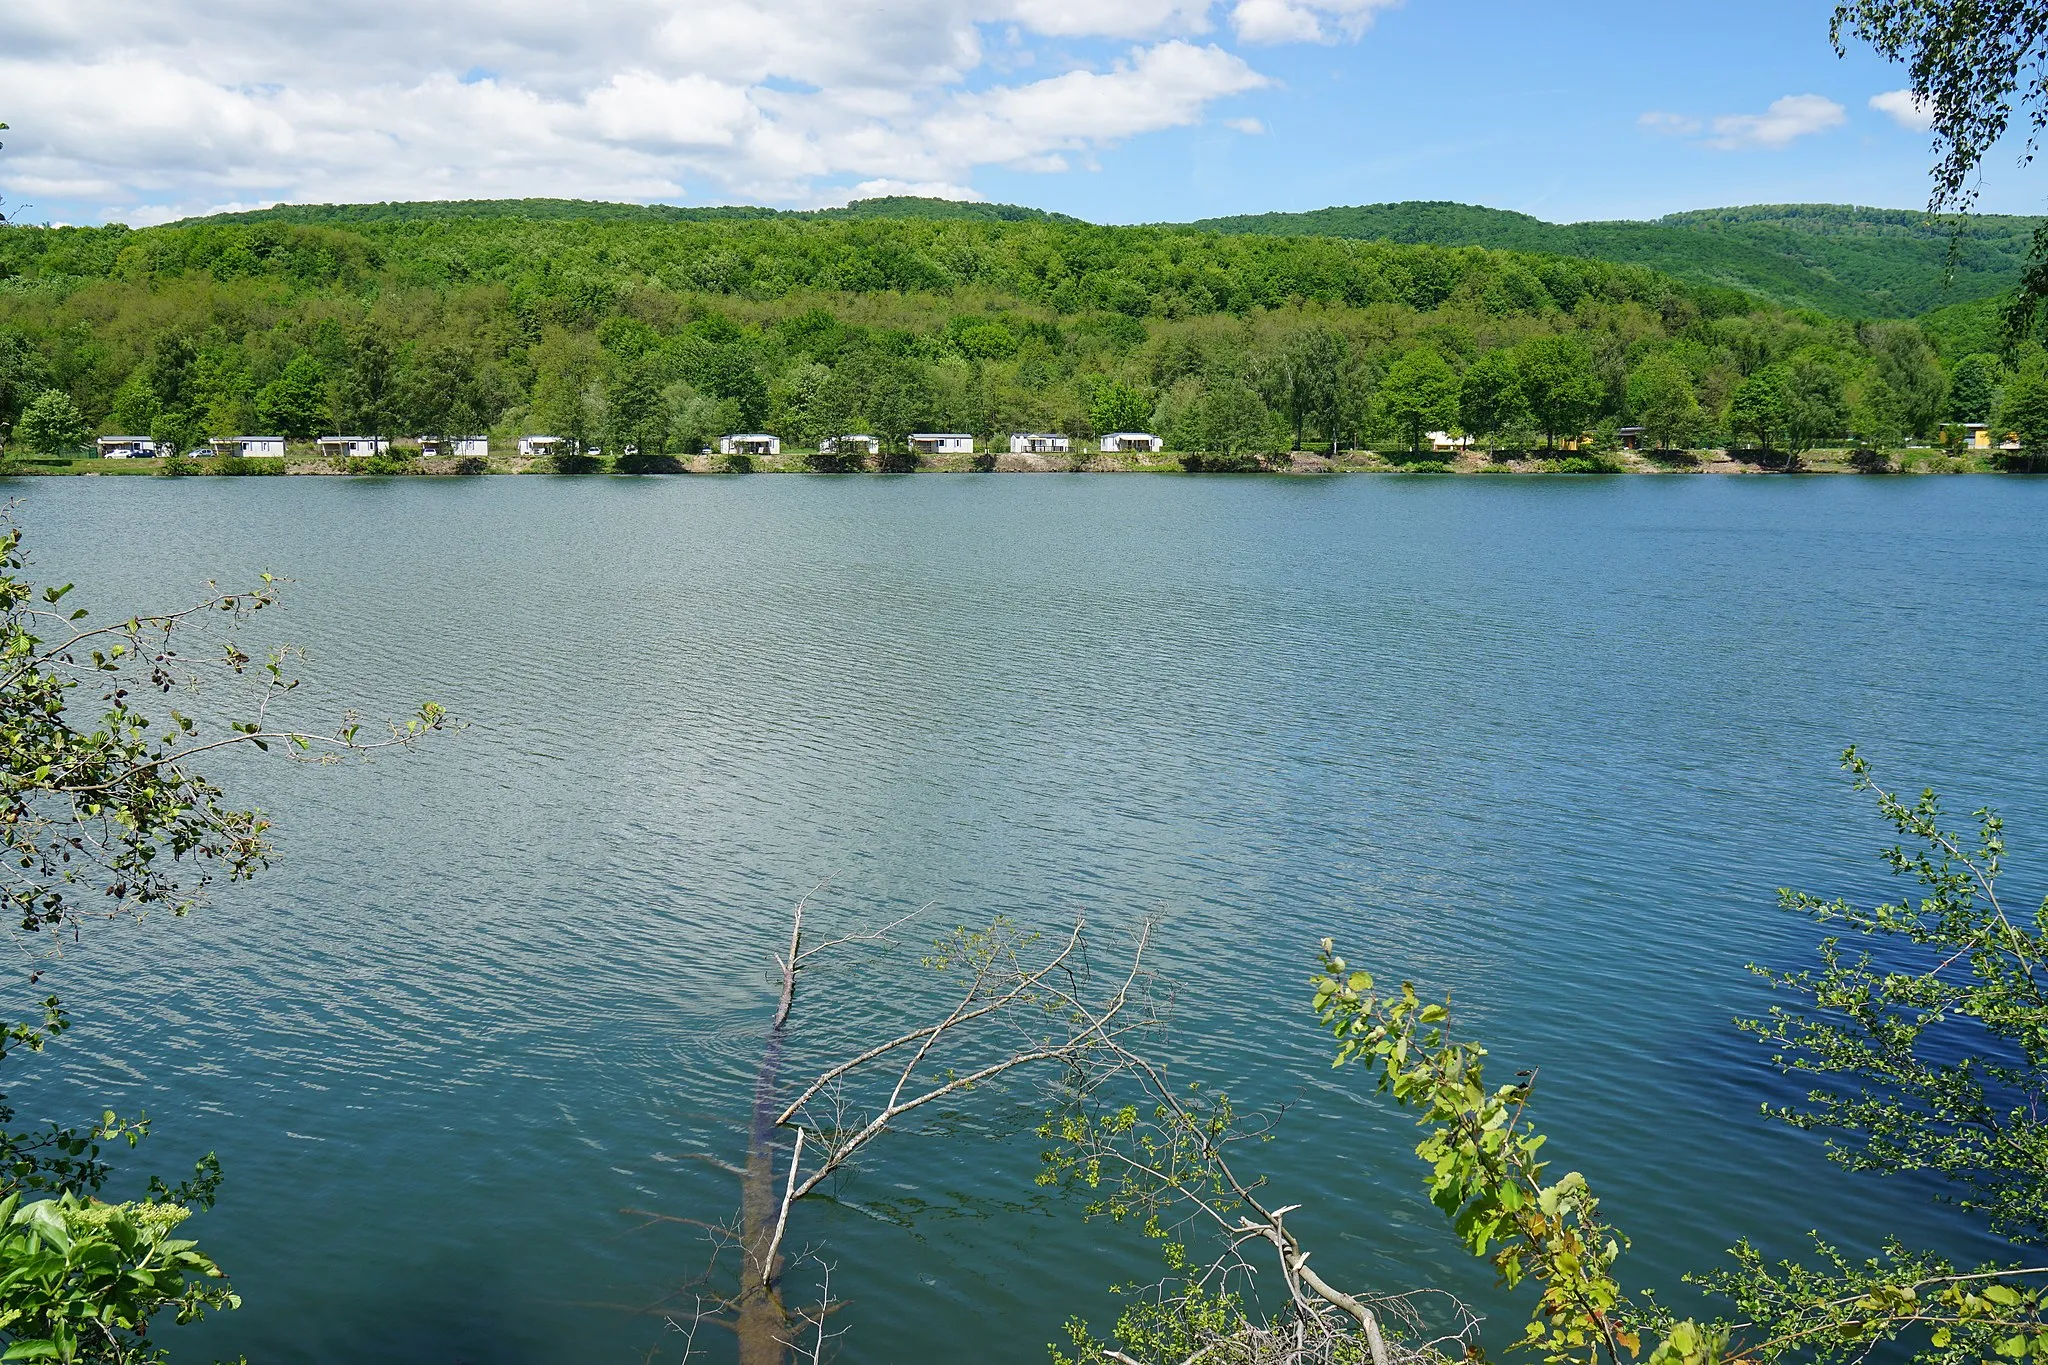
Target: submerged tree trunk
[{"x": 763, "y": 1322}]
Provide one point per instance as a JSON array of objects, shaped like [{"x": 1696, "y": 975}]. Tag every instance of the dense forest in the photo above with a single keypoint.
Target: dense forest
[
  {"x": 1853, "y": 262},
  {"x": 657, "y": 331},
  {"x": 584, "y": 210}
]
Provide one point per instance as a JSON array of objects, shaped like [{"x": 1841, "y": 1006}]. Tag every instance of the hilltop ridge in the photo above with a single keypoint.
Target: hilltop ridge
[
  {"x": 1843, "y": 260},
  {"x": 570, "y": 210},
  {"x": 1847, "y": 260}
]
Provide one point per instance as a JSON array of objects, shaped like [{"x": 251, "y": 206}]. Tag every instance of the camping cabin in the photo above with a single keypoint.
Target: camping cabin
[
  {"x": 1443, "y": 443},
  {"x": 750, "y": 443},
  {"x": 127, "y": 448},
  {"x": 1118, "y": 442},
  {"x": 1039, "y": 443},
  {"x": 941, "y": 443},
  {"x": 461, "y": 447},
  {"x": 352, "y": 447},
  {"x": 849, "y": 445},
  {"x": 539, "y": 446},
  {"x": 249, "y": 447},
  {"x": 1631, "y": 438}
]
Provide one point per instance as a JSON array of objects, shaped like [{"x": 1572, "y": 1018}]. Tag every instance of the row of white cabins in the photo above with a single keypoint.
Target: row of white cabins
[
  {"x": 361, "y": 447},
  {"x": 272, "y": 447},
  {"x": 944, "y": 443}
]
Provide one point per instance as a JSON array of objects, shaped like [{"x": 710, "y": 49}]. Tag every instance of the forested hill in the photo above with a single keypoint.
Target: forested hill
[
  {"x": 1851, "y": 262},
  {"x": 1846, "y": 261},
  {"x": 648, "y": 329},
  {"x": 584, "y": 210}
]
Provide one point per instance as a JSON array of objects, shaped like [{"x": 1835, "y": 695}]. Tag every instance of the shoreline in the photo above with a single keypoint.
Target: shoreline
[{"x": 1522, "y": 465}]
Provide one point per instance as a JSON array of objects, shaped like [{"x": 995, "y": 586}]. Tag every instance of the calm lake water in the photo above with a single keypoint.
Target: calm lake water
[{"x": 1550, "y": 745}]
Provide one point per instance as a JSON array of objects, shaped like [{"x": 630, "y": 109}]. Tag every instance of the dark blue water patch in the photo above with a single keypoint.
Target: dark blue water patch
[{"x": 1547, "y": 746}]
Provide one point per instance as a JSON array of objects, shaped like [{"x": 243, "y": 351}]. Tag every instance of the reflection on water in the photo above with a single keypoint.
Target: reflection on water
[{"x": 1550, "y": 746}]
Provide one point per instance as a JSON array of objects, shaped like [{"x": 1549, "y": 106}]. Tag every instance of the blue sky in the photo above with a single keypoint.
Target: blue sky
[
  {"x": 1534, "y": 107},
  {"x": 1113, "y": 110}
]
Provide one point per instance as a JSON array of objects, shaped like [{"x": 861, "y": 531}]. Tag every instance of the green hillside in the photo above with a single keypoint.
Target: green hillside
[
  {"x": 584, "y": 210},
  {"x": 661, "y": 328},
  {"x": 1844, "y": 261},
  {"x": 1851, "y": 262}
]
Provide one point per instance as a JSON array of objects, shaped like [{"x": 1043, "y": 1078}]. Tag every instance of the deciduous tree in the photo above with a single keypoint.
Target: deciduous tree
[
  {"x": 1662, "y": 399},
  {"x": 295, "y": 404},
  {"x": 1973, "y": 388},
  {"x": 1420, "y": 393},
  {"x": 1490, "y": 398},
  {"x": 1119, "y": 407},
  {"x": 51, "y": 425},
  {"x": 2025, "y": 413},
  {"x": 1759, "y": 407},
  {"x": 1233, "y": 421},
  {"x": 1909, "y": 368},
  {"x": 1815, "y": 407},
  {"x": 1559, "y": 385}
]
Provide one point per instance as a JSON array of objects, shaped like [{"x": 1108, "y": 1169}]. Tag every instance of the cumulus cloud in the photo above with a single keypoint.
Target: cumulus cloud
[
  {"x": 143, "y": 108},
  {"x": 1788, "y": 118},
  {"x": 1904, "y": 109},
  {"x": 1304, "y": 21}
]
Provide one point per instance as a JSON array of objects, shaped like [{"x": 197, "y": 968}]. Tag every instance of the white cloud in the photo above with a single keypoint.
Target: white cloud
[
  {"x": 1303, "y": 21},
  {"x": 1904, "y": 109},
  {"x": 1674, "y": 125},
  {"x": 919, "y": 189},
  {"x": 1787, "y": 118},
  {"x": 1250, "y": 127},
  {"x": 145, "y": 108}
]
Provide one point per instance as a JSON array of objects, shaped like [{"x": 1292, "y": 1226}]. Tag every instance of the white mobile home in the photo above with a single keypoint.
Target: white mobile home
[
  {"x": 750, "y": 443},
  {"x": 352, "y": 447},
  {"x": 461, "y": 447},
  {"x": 849, "y": 445},
  {"x": 1118, "y": 442},
  {"x": 1040, "y": 443},
  {"x": 540, "y": 445},
  {"x": 941, "y": 443},
  {"x": 250, "y": 447},
  {"x": 127, "y": 448},
  {"x": 1443, "y": 443}
]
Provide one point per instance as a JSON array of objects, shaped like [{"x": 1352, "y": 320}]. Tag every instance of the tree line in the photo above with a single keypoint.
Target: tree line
[{"x": 663, "y": 336}]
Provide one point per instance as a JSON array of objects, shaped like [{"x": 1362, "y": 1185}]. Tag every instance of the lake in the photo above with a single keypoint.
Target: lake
[{"x": 1549, "y": 745}]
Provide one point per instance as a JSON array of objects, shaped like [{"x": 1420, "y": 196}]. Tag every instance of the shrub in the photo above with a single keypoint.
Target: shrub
[
  {"x": 241, "y": 465},
  {"x": 835, "y": 462},
  {"x": 471, "y": 464},
  {"x": 984, "y": 462},
  {"x": 735, "y": 463},
  {"x": 648, "y": 462},
  {"x": 1423, "y": 467},
  {"x": 391, "y": 462},
  {"x": 1236, "y": 462},
  {"x": 1870, "y": 462},
  {"x": 1581, "y": 464},
  {"x": 891, "y": 462},
  {"x": 568, "y": 461}
]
